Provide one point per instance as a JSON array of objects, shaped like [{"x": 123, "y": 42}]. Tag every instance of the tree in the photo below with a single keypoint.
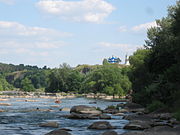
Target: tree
[
  {"x": 106, "y": 79},
  {"x": 27, "y": 85},
  {"x": 4, "y": 85},
  {"x": 105, "y": 62},
  {"x": 64, "y": 79},
  {"x": 156, "y": 69}
]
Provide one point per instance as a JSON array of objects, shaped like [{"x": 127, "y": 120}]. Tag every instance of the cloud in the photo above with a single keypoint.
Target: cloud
[
  {"x": 14, "y": 28},
  {"x": 123, "y": 29},
  {"x": 9, "y": 2},
  {"x": 93, "y": 11},
  {"x": 143, "y": 27},
  {"x": 129, "y": 48},
  {"x": 137, "y": 28},
  {"x": 21, "y": 40}
]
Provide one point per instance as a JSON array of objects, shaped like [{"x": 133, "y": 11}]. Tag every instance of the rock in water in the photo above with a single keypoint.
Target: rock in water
[
  {"x": 58, "y": 132},
  {"x": 49, "y": 124},
  {"x": 101, "y": 125},
  {"x": 104, "y": 116},
  {"x": 82, "y": 116},
  {"x": 110, "y": 133},
  {"x": 137, "y": 125},
  {"x": 83, "y": 109}
]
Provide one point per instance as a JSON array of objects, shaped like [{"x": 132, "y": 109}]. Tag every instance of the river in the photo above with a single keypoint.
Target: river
[{"x": 19, "y": 119}]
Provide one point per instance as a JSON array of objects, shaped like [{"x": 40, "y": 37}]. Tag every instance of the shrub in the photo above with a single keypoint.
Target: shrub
[
  {"x": 155, "y": 105},
  {"x": 177, "y": 115}
]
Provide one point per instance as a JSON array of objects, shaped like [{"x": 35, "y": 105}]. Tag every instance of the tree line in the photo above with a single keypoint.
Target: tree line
[
  {"x": 155, "y": 69},
  {"x": 109, "y": 79}
]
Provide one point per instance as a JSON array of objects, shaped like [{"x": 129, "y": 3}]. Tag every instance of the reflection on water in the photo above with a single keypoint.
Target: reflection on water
[{"x": 22, "y": 118}]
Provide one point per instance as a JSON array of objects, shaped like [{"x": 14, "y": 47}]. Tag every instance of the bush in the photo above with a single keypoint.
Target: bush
[
  {"x": 155, "y": 105},
  {"x": 177, "y": 115}
]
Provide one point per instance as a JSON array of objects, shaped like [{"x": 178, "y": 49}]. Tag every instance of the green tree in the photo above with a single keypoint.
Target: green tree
[
  {"x": 106, "y": 79},
  {"x": 105, "y": 62},
  {"x": 156, "y": 71},
  {"x": 4, "y": 85},
  {"x": 27, "y": 85}
]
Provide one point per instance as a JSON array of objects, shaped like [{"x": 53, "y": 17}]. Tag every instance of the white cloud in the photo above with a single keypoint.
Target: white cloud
[
  {"x": 16, "y": 35},
  {"x": 143, "y": 27},
  {"x": 122, "y": 29},
  {"x": 137, "y": 28},
  {"x": 129, "y": 48},
  {"x": 22, "y": 30},
  {"x": 9, "y": 2},
  {"x": 94, "y": 11},
  {"x": 107, "y": 44},
  {"x": 20, "y": 40}
]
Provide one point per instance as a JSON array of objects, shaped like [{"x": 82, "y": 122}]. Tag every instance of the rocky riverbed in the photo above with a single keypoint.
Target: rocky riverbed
[
  {"x": 40, "y": 116},
  {"x": 81, "y": 116}
]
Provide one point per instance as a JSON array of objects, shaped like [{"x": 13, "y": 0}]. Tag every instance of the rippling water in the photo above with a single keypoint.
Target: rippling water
[{"x": 19, "y": 119}]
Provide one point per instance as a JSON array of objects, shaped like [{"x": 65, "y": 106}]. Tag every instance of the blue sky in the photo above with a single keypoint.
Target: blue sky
[{"x": 50, "y": 32}]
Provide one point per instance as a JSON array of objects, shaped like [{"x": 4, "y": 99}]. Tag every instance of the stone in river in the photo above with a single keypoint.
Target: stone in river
[
  {"x": 49, "y": 124},
  {"x": 110, "y": 133},
  {"x": 58, "y": 132},
  {"x": 83, "y": 109},
  {"x": 101, "y": 125}
]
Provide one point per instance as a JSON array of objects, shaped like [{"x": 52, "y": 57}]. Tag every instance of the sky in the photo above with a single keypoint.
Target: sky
[{"x": 51, "y": 32}]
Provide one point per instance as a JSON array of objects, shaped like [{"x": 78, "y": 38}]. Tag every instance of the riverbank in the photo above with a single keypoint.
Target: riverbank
[
  {"x": 160, "y": 122},
  {"x": 62, "y": 95}
]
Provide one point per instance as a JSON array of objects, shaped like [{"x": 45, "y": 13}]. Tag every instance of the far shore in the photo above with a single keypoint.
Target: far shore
[{"x": 62, "y": 95}]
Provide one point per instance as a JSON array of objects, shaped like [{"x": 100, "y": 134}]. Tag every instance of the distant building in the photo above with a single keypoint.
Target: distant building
[
  {"x": 126, "y": 60},
  {"x": 114, "y": 60}
]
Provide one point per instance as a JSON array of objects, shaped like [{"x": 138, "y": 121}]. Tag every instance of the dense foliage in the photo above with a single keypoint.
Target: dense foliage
[
  {"x": 156, "y": 69},
  {"x": 4, "y": 85},
  {"x": 110, "y": 79},
  {"x": 107, "y": 79},
  {"x": 64, "y": 79}
]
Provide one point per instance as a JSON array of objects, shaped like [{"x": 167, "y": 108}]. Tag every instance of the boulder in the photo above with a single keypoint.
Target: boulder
[
  {"x": 123, "y": 111},
  {"x": 111, "y": 110},
  {"x": 82, "y": 116},
  {"x": 110, "y": 133},
  {"x": 101, "y": 125},
  {"x": 83, "y": 109},
  {"x": 49, "y": 124},
  {"x": 104, "y": 116},
  {"x": 138, "y": 117},
  {"x": 137, "y": 125},
  {"x": 58, "y": 132}
]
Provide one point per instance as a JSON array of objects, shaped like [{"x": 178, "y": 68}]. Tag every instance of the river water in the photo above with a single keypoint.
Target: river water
[{"x": 19, "y": 119}]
